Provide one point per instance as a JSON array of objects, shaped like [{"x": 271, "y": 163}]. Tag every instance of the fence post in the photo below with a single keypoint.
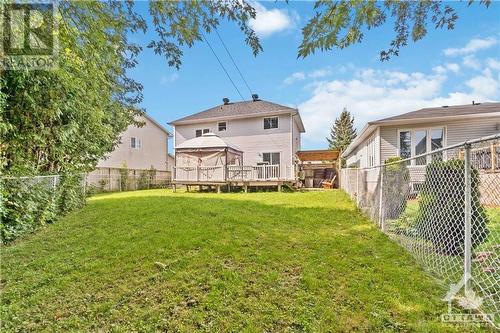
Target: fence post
[
  {"x": 467, "y": 221},
  {"x": 381, "y": 202}
]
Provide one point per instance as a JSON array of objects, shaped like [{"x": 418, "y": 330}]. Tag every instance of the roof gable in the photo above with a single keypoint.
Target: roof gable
[
  {"x": 235, "y": 110},
  {"x": 446, "y": 111}
]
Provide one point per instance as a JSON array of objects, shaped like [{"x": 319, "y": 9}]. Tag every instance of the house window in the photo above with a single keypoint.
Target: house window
[
  {"x": 200, "y": 132},
  {"x": 437, "y": 142},
  {"x": 405, "y": 144},
  {"x": 421, "y": 146},
  {"x": 271, "y": 122},
  {"x": 420, "y": 141},
  {"x": 222, "y": 126},
  {"x": 135, "y": 143},
  {"x": 271, "y": 158}
]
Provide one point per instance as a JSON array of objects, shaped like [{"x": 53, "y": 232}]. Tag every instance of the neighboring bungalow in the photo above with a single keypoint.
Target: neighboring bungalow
[
  {"x": 265, "y": 135},
  {"x": 421, "y": 131},
  {"x": 140, "y": 149}
]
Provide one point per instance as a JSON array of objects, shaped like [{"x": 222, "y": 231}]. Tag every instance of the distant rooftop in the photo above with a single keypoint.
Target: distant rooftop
[
  {"x": 236, "y": 109},
  {"x": 445, "y": 111}
]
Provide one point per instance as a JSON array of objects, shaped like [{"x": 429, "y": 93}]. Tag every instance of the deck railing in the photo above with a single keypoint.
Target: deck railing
[{"x": 233, "y": 173}]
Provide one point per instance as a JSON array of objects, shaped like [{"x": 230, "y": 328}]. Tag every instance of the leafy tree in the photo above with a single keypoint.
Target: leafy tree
[
  {"x": 66, "y": 119},
  {"x": 342, "y": 132},
  {"x": 339, "y": 24}
]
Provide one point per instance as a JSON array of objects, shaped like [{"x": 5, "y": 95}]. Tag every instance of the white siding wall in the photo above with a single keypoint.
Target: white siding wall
[
  {"x": 250, "y": 136},
  {"x": 153, "y": 150},
  {"x": 360, "y": 155},
  {"x": 455, "y": 132}
]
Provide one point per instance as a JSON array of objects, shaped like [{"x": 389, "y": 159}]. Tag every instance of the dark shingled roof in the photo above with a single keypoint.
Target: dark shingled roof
[
  {"x": 236, "y": 109},
  {"x": 448, "y": 111}
]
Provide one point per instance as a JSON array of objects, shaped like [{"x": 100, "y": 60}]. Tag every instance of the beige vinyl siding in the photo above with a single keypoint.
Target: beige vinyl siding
[
  {"x": 250, "y": 136},
  {"x": 455, "y": 132},
  {"x": 152, "y": 153}
]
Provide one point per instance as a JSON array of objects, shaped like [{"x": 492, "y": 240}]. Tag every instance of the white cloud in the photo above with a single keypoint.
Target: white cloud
[
  {"x": 169, "y": 78},
  {"x": 493, "y": 63},
  {"x": 484, "y": 85},
  {"x": 374, "y": 94},
  {"x": 472, "y": 46},
  {"x": 471, "y": 62},
  {"x": 453, "y": 67},
  {"x": 269, "y": 21},
  {"x": 441, "y": 69},
  {"x": 297, "y": 76},
  {"x": 301, "y": 76}
]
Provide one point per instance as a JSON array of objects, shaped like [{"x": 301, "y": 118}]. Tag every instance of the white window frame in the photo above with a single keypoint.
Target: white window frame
[
  {"x": 270, "y": 155},
  {"x": 272, "y": 128},
  {"x": 428, "y": 145},
  {"x": 225, "y": 126},
  {"x": 137, "y": 142},
  {"x": 203, "y": 131}
]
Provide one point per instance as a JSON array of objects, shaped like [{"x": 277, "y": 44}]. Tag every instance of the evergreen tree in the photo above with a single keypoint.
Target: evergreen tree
[{"x": 342, "y": 132}]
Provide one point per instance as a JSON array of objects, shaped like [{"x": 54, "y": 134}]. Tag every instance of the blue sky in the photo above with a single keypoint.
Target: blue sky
[{"x": 445, "y": 68}]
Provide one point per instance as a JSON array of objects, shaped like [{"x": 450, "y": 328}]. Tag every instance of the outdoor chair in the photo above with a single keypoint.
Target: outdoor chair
[{"x": 328, "y": 183}]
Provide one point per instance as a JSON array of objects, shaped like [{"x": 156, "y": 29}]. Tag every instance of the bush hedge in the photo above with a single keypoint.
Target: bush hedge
[
  {"x": 26, "y": 204},
  {"x": 440, "y": 217}
]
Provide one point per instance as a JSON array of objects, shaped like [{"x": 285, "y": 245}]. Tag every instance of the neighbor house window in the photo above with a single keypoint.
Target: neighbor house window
[
  {"x": 421, "y": 146},
  {"x": 222, "y": 126},
  {"x": 200, "y": 132},
  {"x": 135, "y": 143},
  {"x": 437, "y": 142},
  {"x": 271, "y": 122},
  {"x": 405, "y": 144},
  {"x": 420, "y": 141},
  {"x": 271, "y": 158}
]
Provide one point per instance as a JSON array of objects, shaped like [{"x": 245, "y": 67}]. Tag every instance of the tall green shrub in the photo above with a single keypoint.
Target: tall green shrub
[
  {"x": 396, "y": 187},
  {"x": 30, "y": 203},
  {"x": 441, "y": 214}
]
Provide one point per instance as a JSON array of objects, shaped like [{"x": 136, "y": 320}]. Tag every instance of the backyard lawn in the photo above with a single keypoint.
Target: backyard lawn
[{"x": 157, "y": 260}]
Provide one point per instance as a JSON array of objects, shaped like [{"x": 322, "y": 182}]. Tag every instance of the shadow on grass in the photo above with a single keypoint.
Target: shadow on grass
[{"x": 202, "y": 263}]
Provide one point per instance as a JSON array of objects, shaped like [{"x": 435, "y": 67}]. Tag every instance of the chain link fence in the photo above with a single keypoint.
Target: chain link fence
[{"x": 444, "y": 208}]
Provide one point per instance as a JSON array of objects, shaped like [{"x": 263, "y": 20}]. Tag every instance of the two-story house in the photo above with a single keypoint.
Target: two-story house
[{"x": 265, "y": 132}]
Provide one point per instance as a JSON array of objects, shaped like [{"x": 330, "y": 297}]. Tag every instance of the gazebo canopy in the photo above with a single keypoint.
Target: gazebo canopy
[
  {"x": 207, "y": 142},
  {"x": 207, "y": 150}
]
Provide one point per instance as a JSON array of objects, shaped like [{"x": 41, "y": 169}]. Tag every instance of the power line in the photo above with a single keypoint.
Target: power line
[
  {"x": 234, "y": 62},
  {"x": 220, "y": 63}
]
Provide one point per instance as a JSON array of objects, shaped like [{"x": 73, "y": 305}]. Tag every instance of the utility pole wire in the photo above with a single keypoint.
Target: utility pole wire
[
  {"x": 220, "y": 63},
  {"x": 234, "y": 63}
]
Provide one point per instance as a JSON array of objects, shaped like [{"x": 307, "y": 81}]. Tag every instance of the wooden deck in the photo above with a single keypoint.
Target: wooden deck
[{"x": 243, "y": 176}]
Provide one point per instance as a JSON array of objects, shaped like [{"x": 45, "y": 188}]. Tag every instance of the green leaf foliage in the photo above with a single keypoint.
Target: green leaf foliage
[
  {"x": 440, "y": 216},
  {"x": 340, "y": 24}
]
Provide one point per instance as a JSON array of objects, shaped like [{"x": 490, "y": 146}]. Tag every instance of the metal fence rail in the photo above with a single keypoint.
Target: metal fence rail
[{"x": 444, "y": 208}]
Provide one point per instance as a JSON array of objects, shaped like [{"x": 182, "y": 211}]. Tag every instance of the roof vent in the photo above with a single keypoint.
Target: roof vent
[
  {"x": 225, "y": 100},
  {"x": 474, "y": 103},
  {"x": 444, "y": 106},
  {"x": 255, "y": 97}
]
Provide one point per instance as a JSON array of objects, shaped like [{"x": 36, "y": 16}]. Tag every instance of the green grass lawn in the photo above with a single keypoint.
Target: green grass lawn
[{"x": 156, "y": 260}]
